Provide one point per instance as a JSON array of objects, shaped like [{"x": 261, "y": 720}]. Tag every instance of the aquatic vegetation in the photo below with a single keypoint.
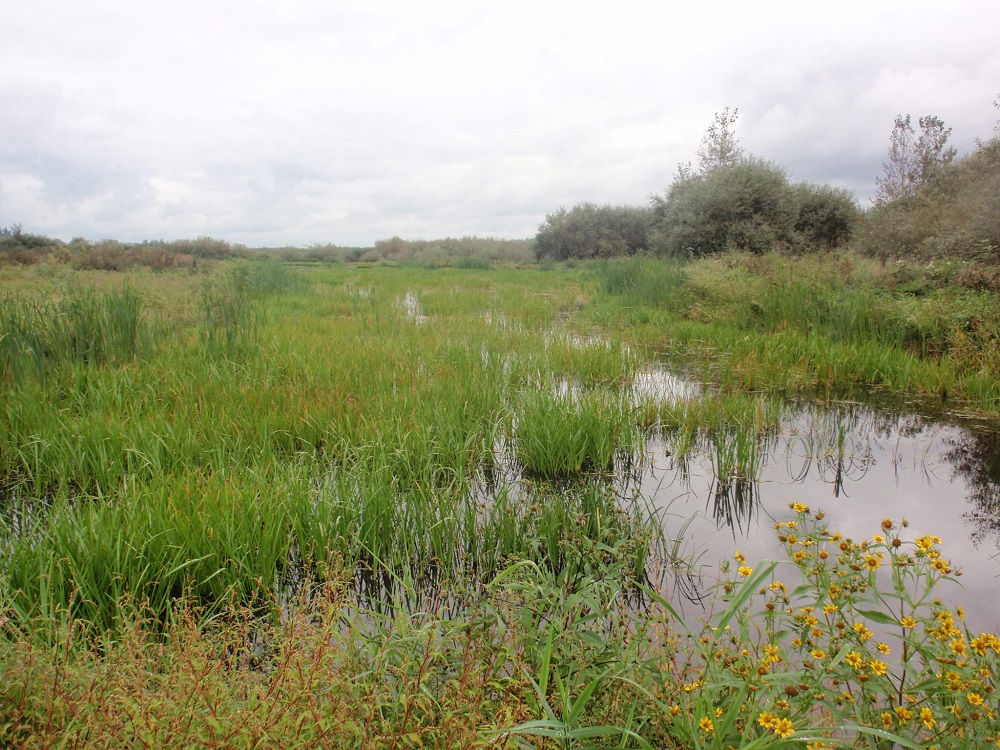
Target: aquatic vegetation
[{"x": 255, "y": 505}]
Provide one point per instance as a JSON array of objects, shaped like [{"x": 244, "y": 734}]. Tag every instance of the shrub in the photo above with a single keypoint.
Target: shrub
[
  {"x": 19, "y": 247},
  {"x": 749, "y": 206},
  {"x": 591, "y": 231},
  {"x": 951, "y": 215},
  {"x": 827, "y": 215}
]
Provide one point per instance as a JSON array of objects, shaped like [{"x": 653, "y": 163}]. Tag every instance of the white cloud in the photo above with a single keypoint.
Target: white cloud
[{"x": 311, "y": 122}]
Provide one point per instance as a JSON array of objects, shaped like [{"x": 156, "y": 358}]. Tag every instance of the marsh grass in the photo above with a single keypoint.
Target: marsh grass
[
  {"x": 334, "y": 527},
  {"x": 824, "y": 324},
  {"x": 559, "y": 434},
  {"x": 39, "y": 338}
]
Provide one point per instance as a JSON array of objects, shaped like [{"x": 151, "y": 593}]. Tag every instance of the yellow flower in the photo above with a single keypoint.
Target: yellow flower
[
  {"x": 799, "y": 507},
  {"x": 886, "y": 719},
  {"x": 767, "y": 720},
  {"x": 908, "y": 622},
  {"x": 883, "y": 648},
  {"x": 818, "y": 653},
  {"x": 706, "y": 725},
  {"x": 927, "y": 717},
  {"x": 744, "y": 570},
  {"x": 878, "y": 667},
  {"x": 863, "y": 632},
  {"x": 927, "y": 542},
  {"x": 829, "y": 609},
  {"x": 878, "y": 538},
  {"x": 675, "y": 710},
  {"x": 854, "y": 659},
  {"x": 975, "y": 699},
  {"x": 903, "y": 714},
  {"x": 783, "y": 728}
]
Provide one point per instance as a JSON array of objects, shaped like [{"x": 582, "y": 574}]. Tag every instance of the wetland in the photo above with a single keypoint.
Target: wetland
[{"x": 544, "y": 466}]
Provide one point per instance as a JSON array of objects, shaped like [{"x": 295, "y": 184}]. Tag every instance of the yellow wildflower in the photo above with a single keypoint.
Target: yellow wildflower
[
  {"x": 706, "y": 725},
  {"x": 878, "y": 667},
  {"x": 927, "y": 717},
  {"x": 767, "y": 720},
  {"x": 783, "y": 728}
]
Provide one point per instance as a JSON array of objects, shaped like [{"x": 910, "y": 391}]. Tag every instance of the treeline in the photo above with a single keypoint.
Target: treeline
[
  {"x": 20, "y": 247},
  {"x": 24, "y": 248},
  {"x": 930, "y": 204}
]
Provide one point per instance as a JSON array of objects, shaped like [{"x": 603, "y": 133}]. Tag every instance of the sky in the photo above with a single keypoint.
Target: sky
[{"x": 302, "y": 123}]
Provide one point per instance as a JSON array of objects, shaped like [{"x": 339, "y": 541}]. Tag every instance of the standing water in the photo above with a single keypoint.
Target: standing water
[{"x": 859, "y": 465}]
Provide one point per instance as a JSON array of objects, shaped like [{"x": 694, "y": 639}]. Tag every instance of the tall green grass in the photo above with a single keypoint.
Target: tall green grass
[{"x": 38, "y": 338}]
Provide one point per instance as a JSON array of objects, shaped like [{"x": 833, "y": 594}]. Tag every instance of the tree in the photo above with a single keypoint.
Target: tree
[
  {"x": 719, "y": 146},
  {"x": 914, "y": 159},
  {"x": 591, "y": 231},
  {"x": 747, "y": 206}
]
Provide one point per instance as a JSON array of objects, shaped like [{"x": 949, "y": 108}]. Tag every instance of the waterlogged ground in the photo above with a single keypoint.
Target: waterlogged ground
[
  {"x": 859, "y": 465},
  {"x": 408, "y": 382}
]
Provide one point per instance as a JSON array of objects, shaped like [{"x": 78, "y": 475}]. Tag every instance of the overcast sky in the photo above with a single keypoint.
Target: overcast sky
[{"x": 272, "y": 123}]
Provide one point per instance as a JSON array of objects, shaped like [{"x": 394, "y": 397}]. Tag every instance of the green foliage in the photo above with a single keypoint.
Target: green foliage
[
  {"x": 591, "y": 231},
  {"x": 827, "y": 216},
  {"x": 38, "y": 339},
  {"x": 564, "y": 434},
  {"x": 468, "y": 252},
  {"x": 914, "y": 160},
  {"x": 952, "y": 214},
  {"x": 844, "y": 643},
  {"x": 642, "y": 281},
  {"x": 749, "y": 206}
]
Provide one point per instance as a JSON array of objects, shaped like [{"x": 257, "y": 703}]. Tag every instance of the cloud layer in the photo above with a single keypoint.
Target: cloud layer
[{"x": 314, "y": 122}]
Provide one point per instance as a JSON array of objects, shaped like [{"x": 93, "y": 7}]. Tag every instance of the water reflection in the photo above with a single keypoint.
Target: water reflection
[
  {"x": 860, "y": 463},
  {"x": 976, "y": 459}
]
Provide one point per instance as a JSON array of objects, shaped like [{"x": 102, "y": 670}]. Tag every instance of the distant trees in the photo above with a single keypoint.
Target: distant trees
[
  {"x": 914, "y": 158},
  {"x": 741, "y": 202},
  {"x": 746, "y": 206},
  {"x": 751, "y": 206},
  {"x": 591, "y": 231},
  {"x": 951, "y": 214},
  {"x": 734, "y": 201}
]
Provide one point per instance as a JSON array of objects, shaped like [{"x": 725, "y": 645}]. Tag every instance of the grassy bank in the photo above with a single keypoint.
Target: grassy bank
[{"x": 823, "y": 325}]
